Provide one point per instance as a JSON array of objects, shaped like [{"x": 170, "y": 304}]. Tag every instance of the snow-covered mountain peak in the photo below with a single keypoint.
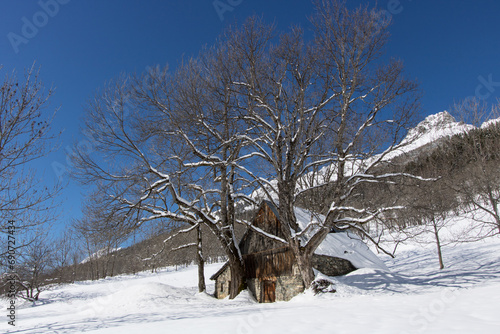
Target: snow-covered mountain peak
[
  {"x": 441, "y": 118},
  {"x": 438, "y": 125},
  {"x": 432, "y": 128}
]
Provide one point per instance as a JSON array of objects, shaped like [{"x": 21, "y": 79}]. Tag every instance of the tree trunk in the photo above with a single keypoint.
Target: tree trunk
[
  {"x": 494, "y": 205},
  {"x": 304, "y": 262},
  {"x": 438, "y": 243},
  {"x": 201, "y": 262},
  {"x": 236, "y": 264},
  {"x": 113, "y": 259},
  {"x": 304, "y": 255},
  {"x": 104, "y": 268},
  {"x": 237, "y": 276}
]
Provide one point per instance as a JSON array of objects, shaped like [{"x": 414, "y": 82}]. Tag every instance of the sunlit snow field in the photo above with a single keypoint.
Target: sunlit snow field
[{"x": 414, "y": 297}]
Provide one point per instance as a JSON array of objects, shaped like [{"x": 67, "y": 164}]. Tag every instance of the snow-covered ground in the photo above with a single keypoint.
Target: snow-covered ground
[{"x": 413, "y": 297}]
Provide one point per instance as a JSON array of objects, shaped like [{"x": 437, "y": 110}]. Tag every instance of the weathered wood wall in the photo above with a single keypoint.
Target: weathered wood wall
[{"x": 269, "y": 263}]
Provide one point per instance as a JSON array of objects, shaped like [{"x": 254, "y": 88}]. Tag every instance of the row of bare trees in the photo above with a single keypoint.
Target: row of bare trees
[
  {"x": 25, "y": 137},
  {"x": 41, "y": 260},
  {"x": 29, "y": 202},
  {"x": 27, "y": 205}
]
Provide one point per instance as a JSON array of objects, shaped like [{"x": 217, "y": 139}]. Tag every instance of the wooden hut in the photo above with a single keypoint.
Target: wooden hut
[{"x": 271, "y": 270}]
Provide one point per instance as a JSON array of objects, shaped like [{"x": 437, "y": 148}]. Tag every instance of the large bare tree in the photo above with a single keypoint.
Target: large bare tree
[
  {"x": 325, "y": 112},
  {"x": 260, "y": 110}
]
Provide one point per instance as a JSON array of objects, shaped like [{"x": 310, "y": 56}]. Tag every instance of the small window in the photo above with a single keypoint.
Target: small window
[{"x": 222, "y": 287}]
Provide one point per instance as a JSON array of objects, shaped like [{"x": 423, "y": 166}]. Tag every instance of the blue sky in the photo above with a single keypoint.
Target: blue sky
[{"x": 452, "y": 47}]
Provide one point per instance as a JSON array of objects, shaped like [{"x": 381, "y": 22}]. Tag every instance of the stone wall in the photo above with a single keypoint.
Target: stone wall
[
  {"x": 287, "y": 286},
  {"x": 222, "y": 283},
  {"x": 253, "y": 285},
  {"x": 332, "y": 266}
]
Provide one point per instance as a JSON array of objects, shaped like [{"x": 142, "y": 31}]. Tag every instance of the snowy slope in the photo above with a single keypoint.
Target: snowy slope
[
  {"x": 414, "y": 297},
  {"x": 350, "y": 247},
  {"x": 100, "y": 253},
  {"x": 344, "y": 245}
]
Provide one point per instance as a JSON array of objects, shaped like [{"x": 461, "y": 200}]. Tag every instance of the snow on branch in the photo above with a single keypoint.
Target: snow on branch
[
  {"x": 375, "y": 242},
  {"x": 360, "y": 220},
  {"x": 262, "y": 232},
  {"x": 170, "y": 238},
  {"x": 372, "y": 177},
  {"x": 187, "y": 230},
  {"x": 184, "y": 246}
]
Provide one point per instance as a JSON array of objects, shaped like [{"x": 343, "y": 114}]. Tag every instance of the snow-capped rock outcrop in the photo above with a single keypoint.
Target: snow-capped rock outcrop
[
  {"x": 490, "y": 123},
  {"x": 431, "y": 129}
]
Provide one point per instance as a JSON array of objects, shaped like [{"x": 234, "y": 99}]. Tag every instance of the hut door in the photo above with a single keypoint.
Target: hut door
[{"x": 268, "y": 291}]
